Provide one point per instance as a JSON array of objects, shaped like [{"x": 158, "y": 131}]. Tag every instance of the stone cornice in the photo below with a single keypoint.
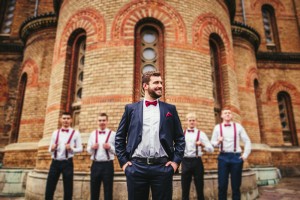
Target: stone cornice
[
  {"x": 278, "y": 56},
  {"x": 11, "y": 47},
  {"x": 242, "y": 30},
  {"x": 231, "y": 7},
  {"x": 56, "y": 6},
  {"x": 33, "y": 24}
]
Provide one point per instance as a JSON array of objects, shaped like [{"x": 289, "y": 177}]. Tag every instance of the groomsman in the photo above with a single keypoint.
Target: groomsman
[
  {"x": 227, "y": 136},
  {"x": 101, "y": 146},
  {"x": 192, "y": 166},
  {"x": 65, "y": 142}
]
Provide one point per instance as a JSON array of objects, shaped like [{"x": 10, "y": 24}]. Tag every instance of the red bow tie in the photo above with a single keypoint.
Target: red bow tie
[
  {"x": 101, "y": 132},
  {"x": 148, "y": 103},
  {"x": 65, "y": 130},
  {"x": 227, "y": 125},
  {"x": 192, "y": 130}
]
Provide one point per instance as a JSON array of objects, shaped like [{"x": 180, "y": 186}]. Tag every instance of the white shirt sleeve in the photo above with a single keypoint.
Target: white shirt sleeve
[
  {"x": 215, "y": 136},
  {"x": 111, "y": 141},
  {"x": 91, "y": 142},
  {"x": 77, "y": 148},
  {"x": 204, "y": 139},
  {"x": 52, "y": 141},
  {"x": 247, "y": 143}
]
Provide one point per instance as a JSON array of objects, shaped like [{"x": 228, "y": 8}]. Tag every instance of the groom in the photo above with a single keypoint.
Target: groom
[{"x": 150, "y": 143}]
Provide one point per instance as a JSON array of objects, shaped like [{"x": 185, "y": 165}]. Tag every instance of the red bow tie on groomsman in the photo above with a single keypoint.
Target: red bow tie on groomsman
[
  {"x": 227, "y": 125},
  {"x": 65, "y": 130},
  {"x": 101, "y": 132},
  {"x": 191, "y": 130},
  {"x": 148, "y": 103}
]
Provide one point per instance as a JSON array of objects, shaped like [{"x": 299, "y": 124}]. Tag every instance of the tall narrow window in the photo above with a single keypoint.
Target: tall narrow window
[
  {"x": 270, "y": 27},
  {"x": 7, "y": 9},
  {"x": 257, "y": 93},
  {"x": 148, "y": 52},
  {"x": 216, "y": 77},
  {"x": 74, "y": 74},
  {"x": 287, "y": 119},
  {"x": 20, "y": 102}
]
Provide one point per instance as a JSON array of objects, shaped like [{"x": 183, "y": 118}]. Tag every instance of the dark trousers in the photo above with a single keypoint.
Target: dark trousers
[
  {"x": 192, "y": 167},
  {"x": 67, "y": 170},
  {"x": 142, "y": 177},
  {"x": 102, "y": 172},
  {"x": 230, "y": 163}
]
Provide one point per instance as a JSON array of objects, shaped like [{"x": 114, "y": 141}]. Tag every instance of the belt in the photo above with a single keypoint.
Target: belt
[
  {"x": 228, "y": 153},
  {"x": 151, "y": 160},
  {"x": 63, "y": 160},
  {"x": 102, "y": 161}
]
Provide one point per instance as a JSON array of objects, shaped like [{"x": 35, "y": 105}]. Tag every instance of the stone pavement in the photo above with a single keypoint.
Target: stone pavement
[{"x": 287, "y": 189}]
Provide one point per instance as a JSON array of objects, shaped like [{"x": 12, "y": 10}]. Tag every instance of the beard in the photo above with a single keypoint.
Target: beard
[{"x": 155, "y": 94}]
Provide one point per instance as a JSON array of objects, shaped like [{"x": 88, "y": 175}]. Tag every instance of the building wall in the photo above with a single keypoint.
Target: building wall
[
  {"x": 286, "y": 18},
  {"x": 109, "y": 67}
]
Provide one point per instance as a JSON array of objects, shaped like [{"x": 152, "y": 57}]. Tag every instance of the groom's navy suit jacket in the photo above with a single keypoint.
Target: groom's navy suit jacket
[{"x": 129, "y": 133}]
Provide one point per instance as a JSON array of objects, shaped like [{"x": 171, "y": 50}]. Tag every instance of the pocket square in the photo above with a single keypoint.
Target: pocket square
[{"x": 168, "y": 114}]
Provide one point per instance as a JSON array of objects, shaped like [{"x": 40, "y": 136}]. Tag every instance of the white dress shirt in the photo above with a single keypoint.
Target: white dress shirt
[
  {"x": 101, "y": 152},
  {"x": 75, "y": 143},
  {"x": 190, "y": 143},
  {"x": 228, "y": 139},
  {"x": 150, "y": 145}
]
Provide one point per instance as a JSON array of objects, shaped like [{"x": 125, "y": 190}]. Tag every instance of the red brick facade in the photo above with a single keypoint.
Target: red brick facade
[{"x": 109, "y": 70}]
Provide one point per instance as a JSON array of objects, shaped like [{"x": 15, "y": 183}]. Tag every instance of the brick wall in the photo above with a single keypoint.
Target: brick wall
[
  {"x": 9, "y": 78},
  {"x": 109, "y": 67}
]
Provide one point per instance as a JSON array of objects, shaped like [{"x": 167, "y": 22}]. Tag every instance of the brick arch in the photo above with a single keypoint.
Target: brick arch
[
  {"x": 124, "y": 23},
  {"x": 284, "y": 86},
  {"x": 91, "y": 21},
  {"x": 31, "y": 69},
  {"x": 3, "y": 89},
  {"x": 276, "y": 4},
  {"x": 203, "y": 27},
  {"x": 251, "y": 75}
]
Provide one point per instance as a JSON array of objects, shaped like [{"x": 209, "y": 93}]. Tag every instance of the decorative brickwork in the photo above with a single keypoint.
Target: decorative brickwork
[
  {"x": 89, "y": 20},
  {"x": 129, "y": 15}
]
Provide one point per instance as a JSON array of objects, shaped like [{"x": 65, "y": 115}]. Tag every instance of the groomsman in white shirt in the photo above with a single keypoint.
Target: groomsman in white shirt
[
  {"x": 101, "y": 146},
  {"x": 227, "y": 136},
  {"x": 65, "y": 142},
  {"x": 196, "y": 141}
]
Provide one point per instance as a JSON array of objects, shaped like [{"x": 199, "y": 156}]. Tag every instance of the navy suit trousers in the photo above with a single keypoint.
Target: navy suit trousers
[
  {"x": 230, "y": 163},
  {"x": 65, "y": 168},
  {"x": 142, "y": 177},
  {"x": 192, "y": 167},
  {"x": 102, "y": 172}
]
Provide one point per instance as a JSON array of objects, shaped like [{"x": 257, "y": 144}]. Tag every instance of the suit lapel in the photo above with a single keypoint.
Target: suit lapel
[
  {"x": 140, "y": 113},
  {"x": 162, "y": 113}
]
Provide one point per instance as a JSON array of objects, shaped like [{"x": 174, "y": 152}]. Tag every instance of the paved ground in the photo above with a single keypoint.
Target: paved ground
[{"x": 287, "y": 189}]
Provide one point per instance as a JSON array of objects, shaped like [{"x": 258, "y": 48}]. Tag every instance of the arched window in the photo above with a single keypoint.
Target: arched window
[
  {"x": 270, "y": 27},
  {"x": 216, "y": 75},
  {"x": 257, "y": 92},
  {"x": 148, "y": 52},
  {"x": 20, "y": 102},
  {"x": 7, "y": 8},
  {"x": 287, "y": 119},
  {"x": 74, "y": 74}
]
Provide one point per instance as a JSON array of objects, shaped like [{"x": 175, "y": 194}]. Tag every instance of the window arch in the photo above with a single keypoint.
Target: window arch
[
  {"x": 287, "y": 119},
  {"x": 73, "y": 80},
  {"x": 216, "y": 48},
  {"x": 20, "y": 102},
  {"x": 7, "y": 8},
  {"x": 257, "y": 92},
  {"x": 149, "y": 52},
  {"x": 270, "y": 28}
]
